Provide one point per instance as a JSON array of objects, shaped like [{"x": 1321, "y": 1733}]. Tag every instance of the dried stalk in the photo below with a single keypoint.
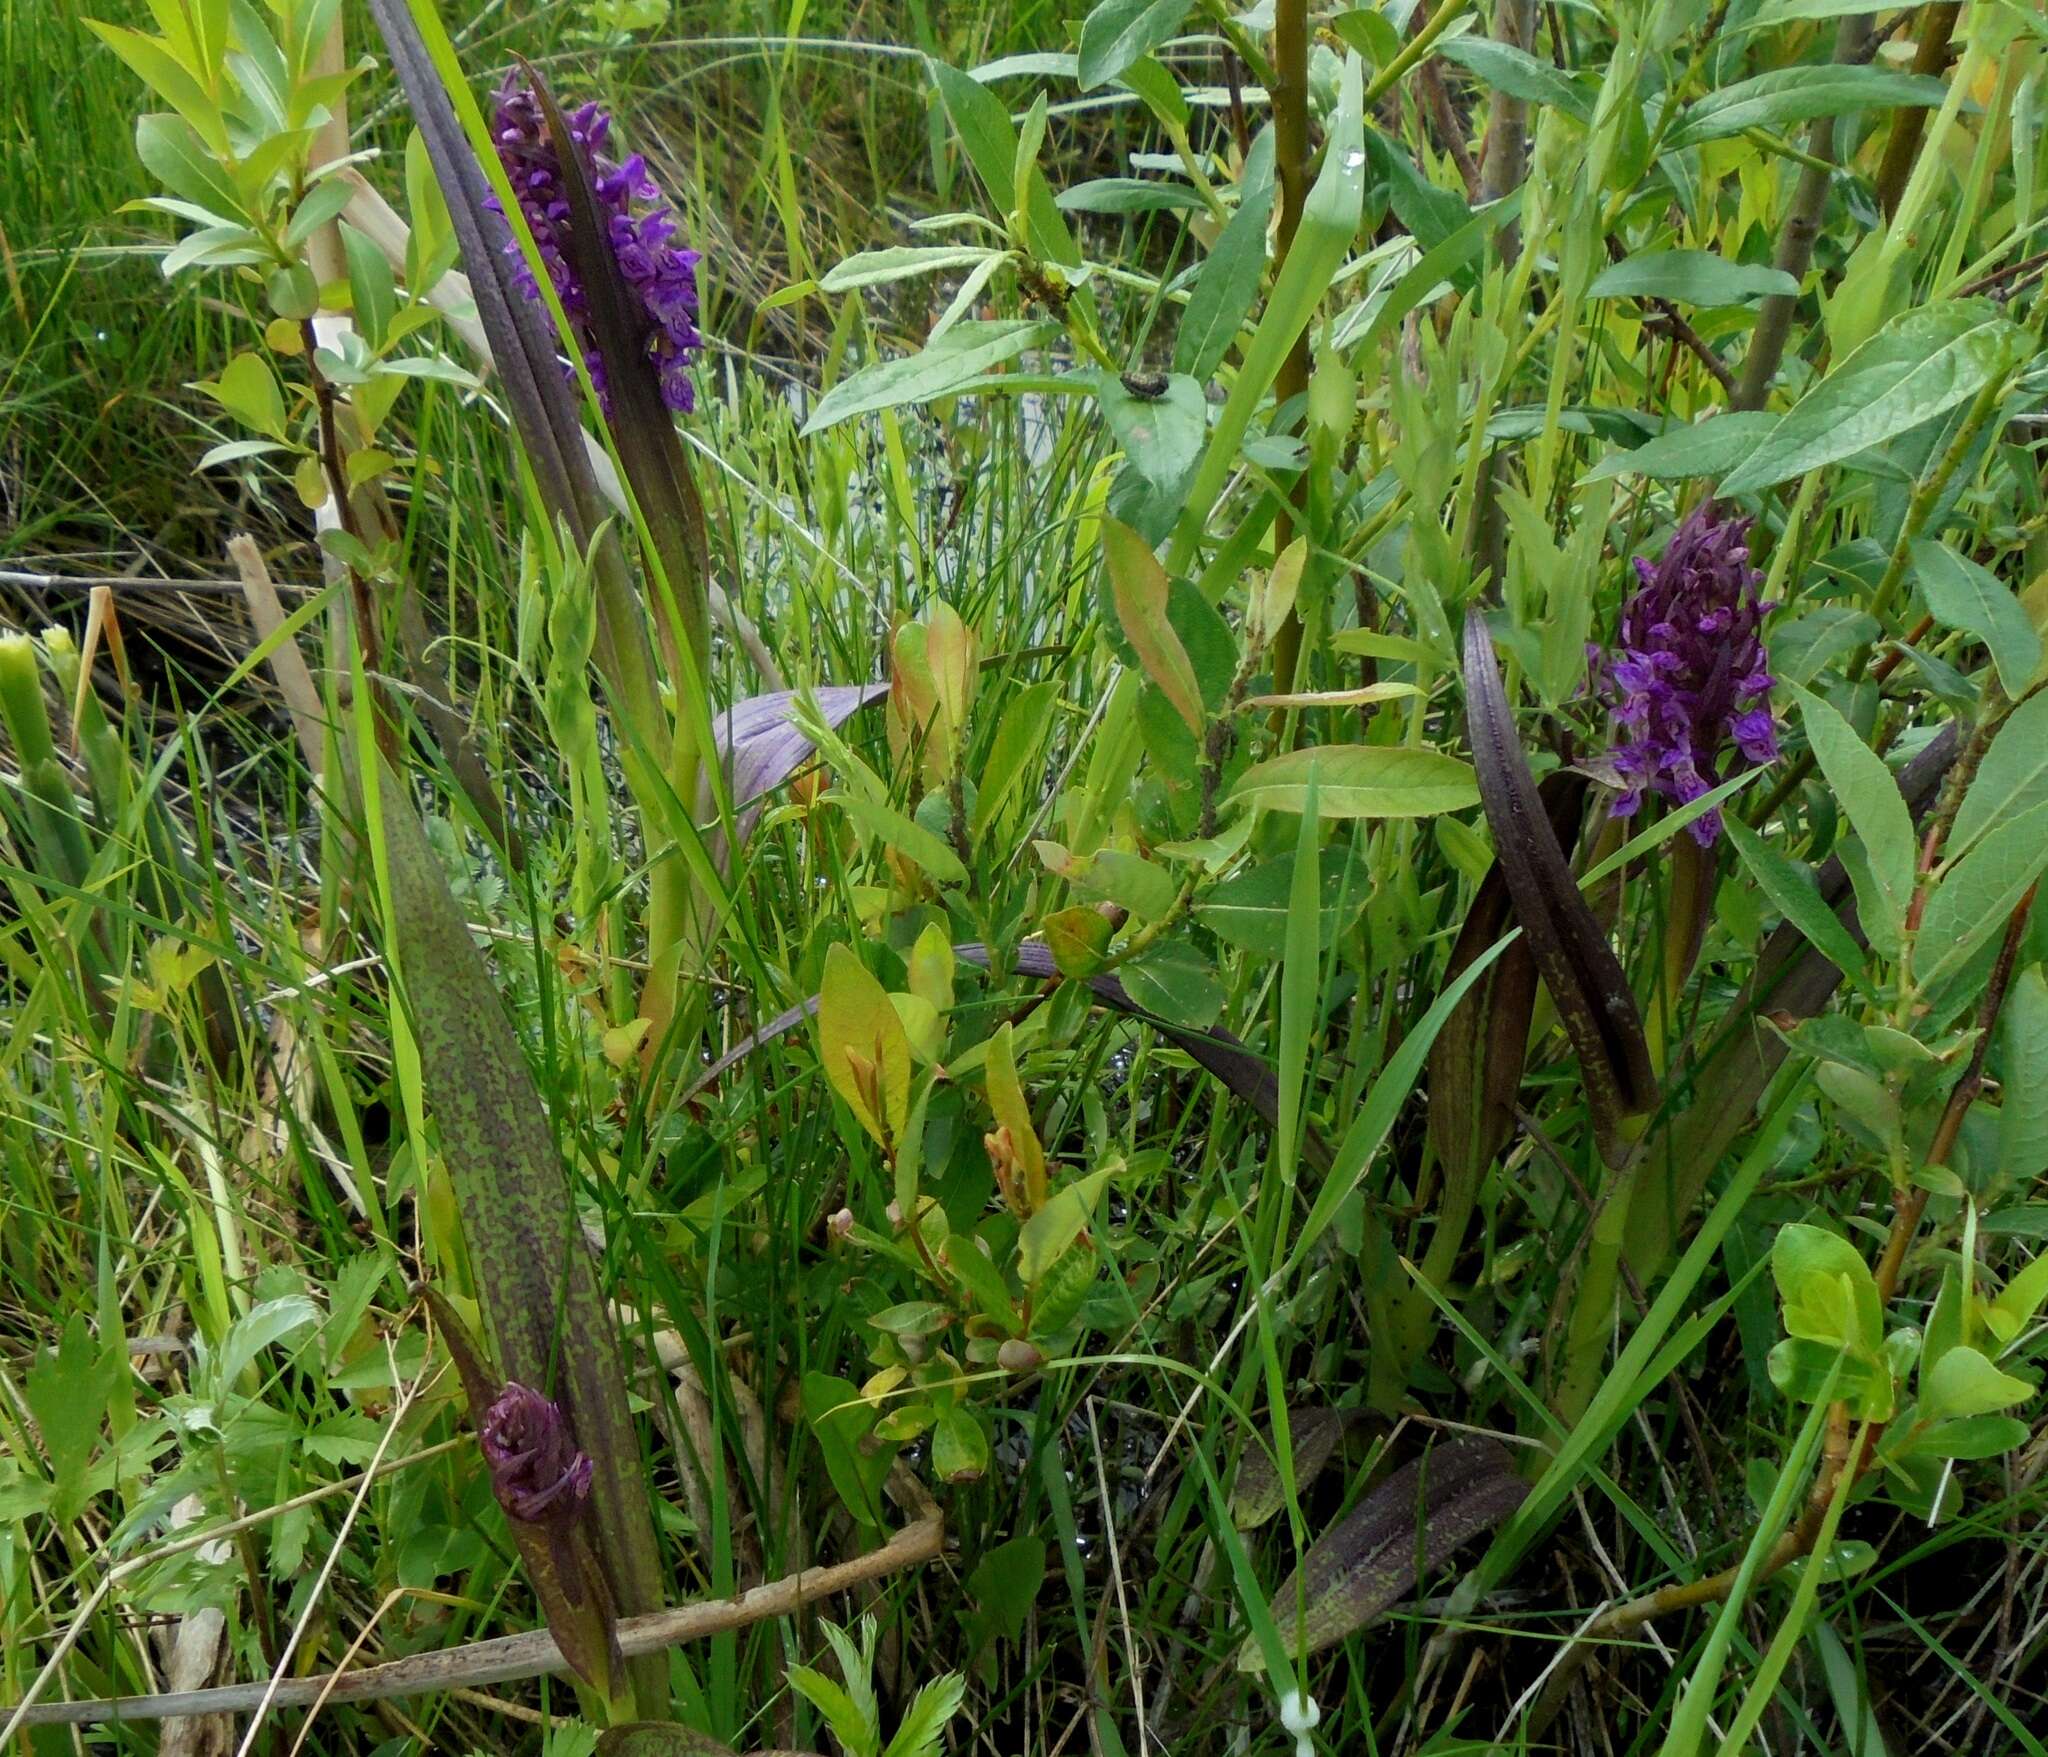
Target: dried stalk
[{"x": 529, "y": 1655}]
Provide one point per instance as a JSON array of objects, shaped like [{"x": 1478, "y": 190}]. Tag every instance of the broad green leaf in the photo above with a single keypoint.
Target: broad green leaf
[
  {"x": 1176, "y": 982},
  {"x": 1801, "y": 649},
  {"x": 1702, "y": 448},
  {"x": 844, "y": 1425},
  {"x": 1965, "y": 1383},
  {"x": 966, "y": 351},
  {"x": 1128, "y": 195},
  {"x": 68, "y": 1389},
  {"x": 170, "y": 79},
  {"x": 1791, "y": 886},
  {"x": 1361, "y": 781},
  {"x": 173, "y": 153},
  {"x": 1047, "y": 1235},
  {"x": 248, "y": 390},
  {"x": 1918, "y": 367},
  {"x": 1229, "y": 279},
  {"x": 1974, "y": 897},
  {"x": 1141, "y": 591},
  {"x": 1690, "y": 277},
  {"x": 906, "y": 836},
  {"x": 2023, "y": 1064},
  {"x": 1828, "y": 1291},
  {"x": 1006, "y": 1100},
  {"x": 1868, "y": 793},
  {"x": 990, "y": 139},
  {"x": 875, "y": 268},
  {"x": 1249, "y": 909},
  {"x": 959, "y": 1447},
  {"x": 1518, "y": 73},
  {"x": 1160, "y": 434},
  {"x": 1962, "y": 595},
  {"x": 1798, "y": 94},
  {"x": 863, "y": 1046},
  {"x": 2011, "y": 781},
  {"x": 1004, "y": 1584},
  {"x": 1118, "y": 32}
]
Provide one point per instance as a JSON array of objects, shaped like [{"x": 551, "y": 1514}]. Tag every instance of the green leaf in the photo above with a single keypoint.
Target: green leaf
[
  {"x": 1918, "y": 367},
  {"x": 1801, "y": 649},
  {"x": 170, "y": 79},
  {"x": 1176, "y": 982},
  {"x": 172, "y": 152},
  {"x": 371, "y": 292},
  {"x": 923, "y": 1728},
  {"x": 1828, "y": 1291},
  {"x": 843, "y": 1423},
  {"x": 68, "y": 1390},
  {"x": 1972, "y": 1437},
  {"x": 248, "y": 390},
  {"x": 1962, "y": 595},
  {"x": 1975, "y": 896},
  {"x": 963, "y": 354},
  {"x": 1701, "y": 448},
  {"x": 1048, "y": 1234},
  {"x": 1128, "y": 195},
  {"x": 322, "y": 203},
  {"x": 1798, "y": 94},
  {"x": 1229, "y": 279},
  {"x": 1141, "y": 592},
  {"x": 1329, "y": 225},
  {"x": 1361, "y": 781},
  {"x": 959, "y": 1447},
  {"x": 1249, "y": 910},
  {"x": 876, "y": 268},
  {"x": 1867, "y": 792},
  {"x": 1520, "y": 74},
  {"x": 1965, "y": 1383},
  {"x": 1690, "y": 277},
  {"x": 985, "y": 130},
  {"x": 863, "y": 1046},
  {"x": 1119, "y": 32},
  {"x": 2011, "y": 781},
  {"x": 1005, "y": 1582},
  {"x": 2023, "y": 1112},
  {"x": 1792, "y": 888},
  {"x": 1160, "y": 435}
]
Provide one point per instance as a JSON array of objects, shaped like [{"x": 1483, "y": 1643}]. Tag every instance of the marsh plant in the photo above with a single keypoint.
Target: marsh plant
[{"x": 1231, "y": 900}]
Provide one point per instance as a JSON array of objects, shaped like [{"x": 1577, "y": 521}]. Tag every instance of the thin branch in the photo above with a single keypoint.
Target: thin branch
[{"x": 506, "y": 1657}]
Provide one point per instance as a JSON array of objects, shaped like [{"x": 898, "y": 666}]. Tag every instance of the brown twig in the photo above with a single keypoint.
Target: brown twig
[
  {"x": 528, "y": 1655},
  {"x": 1937, "y": 26}
]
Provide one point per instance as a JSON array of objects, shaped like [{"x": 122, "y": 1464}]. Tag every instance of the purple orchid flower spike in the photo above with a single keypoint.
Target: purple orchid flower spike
[
  {"x": 537, "y": 1471},
  {"x": 1688, "y": 675},
  {"x": 640, "y": 231}
]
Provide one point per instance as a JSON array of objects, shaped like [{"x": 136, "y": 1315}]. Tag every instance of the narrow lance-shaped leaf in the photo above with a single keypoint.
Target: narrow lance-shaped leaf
[
  {"x": 1476, "y": 1065},
  {"x": 540, "y": 1296},
  {"x": 1578, "y": 966},
  {"x": 1374, "y": 1557},
  {"x": 1139, "y": 585}
]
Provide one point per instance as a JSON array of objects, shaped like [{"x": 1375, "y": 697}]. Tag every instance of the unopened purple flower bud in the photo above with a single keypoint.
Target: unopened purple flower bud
[
  {"x": 1688, "y": 674},
  {"x": 537, "y": 1472}
]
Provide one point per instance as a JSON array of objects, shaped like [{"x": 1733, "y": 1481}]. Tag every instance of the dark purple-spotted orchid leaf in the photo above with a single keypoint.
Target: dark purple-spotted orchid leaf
[
  {"x": 1476, "y": 1064},
  {"x": 549, "y": 1323},
  {"x": 1406, "y": 1528},
  {"x": 1585, "y": 979}
]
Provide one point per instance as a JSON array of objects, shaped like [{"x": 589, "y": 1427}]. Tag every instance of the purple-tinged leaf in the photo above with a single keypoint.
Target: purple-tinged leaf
[
  {"x": 1406, "y": 1528},
  {"x": 1585, "y": 979},
  {"x": 1476, "y": 1065},
  {"x": 1313, "y": 1431},
  {"x": 761, "y": 746},
  {"x": 560, "y": 1567}
]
